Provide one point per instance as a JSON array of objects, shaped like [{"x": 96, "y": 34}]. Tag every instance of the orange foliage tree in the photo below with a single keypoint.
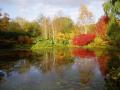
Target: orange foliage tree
[{"x": 101, "y": 26}]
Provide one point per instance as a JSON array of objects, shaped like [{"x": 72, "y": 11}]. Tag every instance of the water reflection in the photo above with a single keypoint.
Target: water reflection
[
  {"x": 113, "y": 76},
  {"x": 54, "y": 69}
]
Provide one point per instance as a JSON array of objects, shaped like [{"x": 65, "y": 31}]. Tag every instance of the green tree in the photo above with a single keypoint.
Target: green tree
[
  {"x": 63, "y": 25},
  {"x": 112, "y": 9},
  {"x": 4, "y": 21},
  {"x": 14, "y": 27},
  {"x": 45, "y": 25},
  {"x": 114, "y": 32},
  {"x": 34, "y": 29}
]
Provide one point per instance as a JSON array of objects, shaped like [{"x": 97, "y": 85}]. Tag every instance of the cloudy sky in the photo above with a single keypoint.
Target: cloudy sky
[{"x": 31, "y": 9}]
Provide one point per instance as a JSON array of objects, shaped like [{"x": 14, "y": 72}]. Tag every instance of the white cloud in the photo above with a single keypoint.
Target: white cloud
[
  {"x": 60, "y": 3},
  {"x": 30, "y": 9}
]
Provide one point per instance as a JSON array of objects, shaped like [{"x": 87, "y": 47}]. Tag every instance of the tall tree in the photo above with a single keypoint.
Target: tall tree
[
  {"x": 4, "y": 21},
  {"x": 112, "y": 8},
  {"x": 85, "y": 17},
  {"x": 45, "y": 23},
  {"x": 101, "y": 27},
  {"x": 62, "y": 26}
]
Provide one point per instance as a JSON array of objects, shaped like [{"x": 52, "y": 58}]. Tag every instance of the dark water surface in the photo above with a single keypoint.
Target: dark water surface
[{"x": 53, "y": 69}]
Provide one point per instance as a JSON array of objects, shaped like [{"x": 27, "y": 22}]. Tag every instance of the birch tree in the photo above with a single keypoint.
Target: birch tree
[{"x": 85, "y": 18}]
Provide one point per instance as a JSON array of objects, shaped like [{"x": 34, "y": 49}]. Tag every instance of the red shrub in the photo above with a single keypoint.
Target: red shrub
[{"x": 83, "y": 39}]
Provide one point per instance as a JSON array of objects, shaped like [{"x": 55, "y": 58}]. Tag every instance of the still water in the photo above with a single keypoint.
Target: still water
[{"x": 53, "y": 69}]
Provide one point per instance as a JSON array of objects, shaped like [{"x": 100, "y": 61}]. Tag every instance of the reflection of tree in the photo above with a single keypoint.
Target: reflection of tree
[
  {"x": 86, "y": 67},
  {"x": 15, "y": 61},
  {"x": 102, "y": 58},
  {"x": 15, "y": 55},
  {"x": 45, "y": 60},
  {"x": 85, "y": 77},
  {"x": 63, "y": 57},
  {"x": 24, "y": 54},
  {"x": 56, "y": 62},
  {"x": 46, "y": 64},
  {"x": 20, "y": 66},
  {"x": 87, "y": 62},
  {"x": 113, "y": 77},
  {"x": 23, "y": 66},
  {"x": 103, "y": 63},
  {"x": 80, "y": 52},
  {"x": 53, "y": 59},
  {"x": 7, "y": 66}
]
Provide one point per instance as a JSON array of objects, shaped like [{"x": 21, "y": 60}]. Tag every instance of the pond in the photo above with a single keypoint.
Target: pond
[{"x": 54, "y": 69}]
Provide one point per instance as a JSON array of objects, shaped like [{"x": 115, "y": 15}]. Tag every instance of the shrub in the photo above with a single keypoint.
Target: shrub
[{"x": 83, "y": 39}]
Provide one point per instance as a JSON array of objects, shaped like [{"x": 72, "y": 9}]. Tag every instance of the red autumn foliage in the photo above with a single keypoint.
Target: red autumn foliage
[
  {"x": 103, "y": 63},
  {"x": 102, "y": 60},
  {"x": 101, "y": 26},
  {"x": 83, "y": 39},
  {"x": 83, "y": 53}
]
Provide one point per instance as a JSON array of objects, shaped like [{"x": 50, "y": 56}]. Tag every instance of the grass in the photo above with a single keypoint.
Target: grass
[{"x": 49, "y": 44}]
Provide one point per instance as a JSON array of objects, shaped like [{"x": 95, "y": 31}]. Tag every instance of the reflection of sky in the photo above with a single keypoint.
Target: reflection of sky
[
  {"x": 85, "y": 63},
  {"x": 89, "y": 71},
  {"x": 58, "y": 77},
  {"x": 31, "y": 9}
]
